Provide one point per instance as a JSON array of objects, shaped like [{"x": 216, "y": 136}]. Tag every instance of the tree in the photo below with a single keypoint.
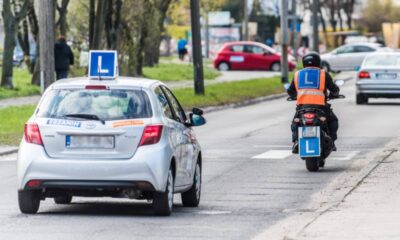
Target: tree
[
  {"x": 98, "y": 24},
  {"x": 62, "y": 10},
  {"x": 378, "y": 12},
  {"x": 11, "y": 20}
]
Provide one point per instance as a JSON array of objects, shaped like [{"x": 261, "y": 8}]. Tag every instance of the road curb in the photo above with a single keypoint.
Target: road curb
[
  {"x": 8, "y": 152},
  {"x": 244, "y": 103}
]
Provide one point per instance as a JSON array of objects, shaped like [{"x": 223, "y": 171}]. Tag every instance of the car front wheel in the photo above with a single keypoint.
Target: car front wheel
[
  {"x": 163, "y": 202},
  {"x": 276, "y": 67},
  {"x": 191, "y": 198},
  {"x": 29, "y": 201}
]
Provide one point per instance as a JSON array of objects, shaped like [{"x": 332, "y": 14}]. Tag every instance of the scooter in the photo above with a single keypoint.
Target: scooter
[{"x": 315, "y": 143}]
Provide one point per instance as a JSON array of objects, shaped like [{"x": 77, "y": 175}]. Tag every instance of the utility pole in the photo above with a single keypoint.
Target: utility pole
[
  {"x": 295, "y": 33},
  {"x": 315, "y": 9},
  {"x": 246, "y": 22},
  {"x": 46, "y": 42},
  {"x": 196, "y": 48},
  {"x": 284, "y": 41}
]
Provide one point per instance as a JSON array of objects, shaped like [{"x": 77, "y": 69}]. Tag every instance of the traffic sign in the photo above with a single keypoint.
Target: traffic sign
[{"x": 103, "y": 64}]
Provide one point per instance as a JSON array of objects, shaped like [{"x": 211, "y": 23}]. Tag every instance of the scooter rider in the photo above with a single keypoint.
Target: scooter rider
[{"x": 311, "y": 86}]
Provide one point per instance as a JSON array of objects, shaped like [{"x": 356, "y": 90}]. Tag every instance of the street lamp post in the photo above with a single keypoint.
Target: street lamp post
[
  {"x": 196, "y": 48},
  {"x": 315, "y": 9}
]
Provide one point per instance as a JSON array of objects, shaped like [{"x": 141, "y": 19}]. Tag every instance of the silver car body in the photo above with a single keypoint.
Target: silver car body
[
  {"x": 126, "y": 164},
  {"x": 350, "y": 56},
  {"x": 383, "y": 79}
]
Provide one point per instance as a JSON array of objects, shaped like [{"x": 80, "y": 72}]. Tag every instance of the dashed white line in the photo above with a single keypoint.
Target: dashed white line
[{"x": 274, "y": 154}]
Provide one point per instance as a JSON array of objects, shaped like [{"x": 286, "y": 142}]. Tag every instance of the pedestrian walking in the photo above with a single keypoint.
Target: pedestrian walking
[
  {"x": 182, "y": 51},
  {"x": 63, "y": 58}
]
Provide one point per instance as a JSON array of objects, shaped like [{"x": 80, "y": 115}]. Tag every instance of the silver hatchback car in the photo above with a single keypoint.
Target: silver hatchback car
[{"x": 118, "y": 138}]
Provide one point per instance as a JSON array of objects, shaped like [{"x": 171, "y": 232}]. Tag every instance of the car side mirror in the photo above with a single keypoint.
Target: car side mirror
[
  {"x": 339, "y": 83},
  {"x": 197, "y": 111},
  {"x": 266, "y": 53},
  {"x": 357, "y": 68},
  {"x": 196, "y": 120}
]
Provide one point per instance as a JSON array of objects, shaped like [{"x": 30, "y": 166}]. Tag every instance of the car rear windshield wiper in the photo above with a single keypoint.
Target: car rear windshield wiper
[{"x": 86, "y": 116}]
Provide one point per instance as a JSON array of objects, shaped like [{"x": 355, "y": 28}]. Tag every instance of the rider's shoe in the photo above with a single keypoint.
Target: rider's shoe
[
  {"x": 295, "y": 148},
  {"x": 334, "y": 147}
]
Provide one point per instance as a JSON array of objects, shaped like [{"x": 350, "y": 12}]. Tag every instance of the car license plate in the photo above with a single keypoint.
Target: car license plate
[
  {"x": 386, "y": 76},
  {"x": 76, "y": 141},
  {"x": 309, "y": 132}
]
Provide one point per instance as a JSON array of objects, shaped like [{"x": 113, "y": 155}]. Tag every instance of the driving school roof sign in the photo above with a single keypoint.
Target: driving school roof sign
[{"x": 103, "y": 64}]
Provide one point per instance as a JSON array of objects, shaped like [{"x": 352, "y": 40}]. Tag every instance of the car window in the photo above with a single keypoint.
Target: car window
[
  {"x": 345, "y": 49},
  {"x": 237, "y": 48},
  {"x": 164, "y": 103},
  {"x": 382, "y": 60},
  {"x": 106, "y": 104},
  {"x": 363, "y": 49},
  {"x": 176, "y": 107},
  {"x": 258, "y": 50}
]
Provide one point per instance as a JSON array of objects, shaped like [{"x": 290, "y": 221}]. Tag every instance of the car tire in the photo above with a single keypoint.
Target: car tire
[
  {"x": 63, "y": 199},
  {"x": 29, "y": 201},
  {"x": 223, "y": 66},
  {"x": 326, "y": 66},
  {"x": 163, "y": 201},
  {"x": 191, "y": 198},
  {"x": 360, "y": 99},
  {"x": 276, "y": 67}
]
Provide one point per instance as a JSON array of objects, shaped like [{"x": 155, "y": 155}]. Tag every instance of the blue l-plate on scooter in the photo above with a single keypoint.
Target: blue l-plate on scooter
[{"x": 309, "y": 141}]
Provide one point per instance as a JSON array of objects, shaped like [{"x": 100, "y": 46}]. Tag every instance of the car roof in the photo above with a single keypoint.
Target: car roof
[
  {"x": 374, "y": 45},
  {"x": 119, "y": 81}
]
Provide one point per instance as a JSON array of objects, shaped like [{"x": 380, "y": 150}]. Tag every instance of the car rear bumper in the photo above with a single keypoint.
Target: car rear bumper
[
  {"x": 147, "y": 170},
  {"x": 378, "y": 89}
]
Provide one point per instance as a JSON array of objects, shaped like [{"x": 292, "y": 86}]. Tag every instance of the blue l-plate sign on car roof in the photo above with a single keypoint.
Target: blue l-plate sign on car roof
[{"x": 103, "y": 64}]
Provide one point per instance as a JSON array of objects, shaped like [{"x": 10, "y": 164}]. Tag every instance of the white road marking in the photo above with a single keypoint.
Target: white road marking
[
  {"x": 347, "y": 157},
  {"x": 8, "y": 158},
  {"x": 273, "y": 146},
  {"x": 214, "y": 212},
  {"x": 274, "y": 154}
]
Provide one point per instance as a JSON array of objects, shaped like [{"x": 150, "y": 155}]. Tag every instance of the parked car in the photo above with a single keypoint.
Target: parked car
[
  {"x": 249, "y": 56},
  {"x": 116, "y": 138},
  {"x": 349, "y": 56},
  {"x": 378, "y": 77}
]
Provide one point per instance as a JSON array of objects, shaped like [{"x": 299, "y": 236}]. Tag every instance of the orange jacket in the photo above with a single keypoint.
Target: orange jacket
[{"x": 310, "y": 86}]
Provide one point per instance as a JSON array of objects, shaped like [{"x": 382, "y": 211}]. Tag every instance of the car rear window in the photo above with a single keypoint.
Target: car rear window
[
  {"x": 382, "y": 60},
  {"x": 106, "y": 104}
]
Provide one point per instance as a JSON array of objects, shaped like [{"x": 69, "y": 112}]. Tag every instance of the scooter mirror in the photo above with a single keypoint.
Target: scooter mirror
[
  {"x": 286, "y": 86},
  {"x": 339, "y": 83}
]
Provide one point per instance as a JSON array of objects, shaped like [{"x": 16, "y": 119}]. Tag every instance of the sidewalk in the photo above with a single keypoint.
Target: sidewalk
[
  {"x": 371, "y": 211},
  {"x": 5, "y": 150}
]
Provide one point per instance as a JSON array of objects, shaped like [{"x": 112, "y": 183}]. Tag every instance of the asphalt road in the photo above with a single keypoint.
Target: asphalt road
[{"x": 251, "y": 181}]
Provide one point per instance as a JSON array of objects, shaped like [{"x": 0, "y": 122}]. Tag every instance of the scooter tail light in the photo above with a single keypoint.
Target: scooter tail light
[
  {"x": 309, "y": 115},
  {"x": 32, "y": 134},
  {"x": 151, "y": 135}
]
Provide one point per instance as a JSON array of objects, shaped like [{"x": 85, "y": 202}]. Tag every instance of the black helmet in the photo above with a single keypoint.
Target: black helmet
[{"x": 312, "y": 59}]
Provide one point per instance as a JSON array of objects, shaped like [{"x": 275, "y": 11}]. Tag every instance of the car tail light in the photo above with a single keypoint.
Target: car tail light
[
  {"x": 32, "y": 134},
  {"x": 34, "y": 183},
  {"x": 363, "y": 74},
  {"x": 151, "y": 135},
  {"x": 96, "y": 87}
]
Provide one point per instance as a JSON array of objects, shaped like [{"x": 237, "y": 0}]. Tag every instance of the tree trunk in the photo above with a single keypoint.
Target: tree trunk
[
  {"x": 9, "y": 45},
  {"x": 46, "y": 39},
  {"x": 62, "y": 21},
  {"x": 99, "y": 24},
  {"x": 92, "y": 15}
]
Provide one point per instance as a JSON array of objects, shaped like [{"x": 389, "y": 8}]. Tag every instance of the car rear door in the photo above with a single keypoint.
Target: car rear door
[
  {"x": 238, "y": 59},
  {"x": 344, "y": 58},
  {"x": 361, "y": 52},
  {"x": 185, "y": 133}
]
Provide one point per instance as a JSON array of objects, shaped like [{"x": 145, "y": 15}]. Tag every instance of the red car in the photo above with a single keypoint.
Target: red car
[{"x": 249, "y": 56}]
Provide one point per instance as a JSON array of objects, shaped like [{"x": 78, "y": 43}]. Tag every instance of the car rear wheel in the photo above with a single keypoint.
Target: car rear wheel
[
  {"x": 63, "y": 199},
  {"x": 29, "y": 201},
  {"x": 360, "y": 99},
  {"x": 223, "y": 66},
  {"x": 191, "y": 198},
  {"x": 276, "y": 67},
  {"x": 163, "y": 202}
]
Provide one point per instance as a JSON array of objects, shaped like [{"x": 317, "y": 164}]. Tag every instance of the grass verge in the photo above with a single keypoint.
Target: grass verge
[
  {"x": 12, "y": 123},
  {"x": 176, "y": 72},
  {"x": 12, "y": 119},
  {"x": 230, "y": 92},
  {"x": 22, "y": 85}
]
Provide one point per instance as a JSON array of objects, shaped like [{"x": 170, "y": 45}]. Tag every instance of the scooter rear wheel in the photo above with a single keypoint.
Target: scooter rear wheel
[{"x": 312, "y": 164}]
